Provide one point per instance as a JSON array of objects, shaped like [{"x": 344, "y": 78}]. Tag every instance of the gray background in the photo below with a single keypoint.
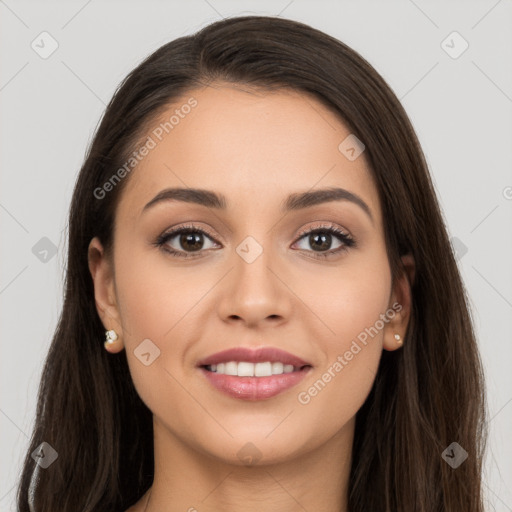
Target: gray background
[{"x": 461, "y": 108}]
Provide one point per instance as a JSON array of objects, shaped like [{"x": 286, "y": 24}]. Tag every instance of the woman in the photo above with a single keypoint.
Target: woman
[{"x": 255, "y": 237}]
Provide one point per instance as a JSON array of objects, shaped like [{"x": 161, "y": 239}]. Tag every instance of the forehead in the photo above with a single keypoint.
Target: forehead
[{"x": 251, "y": 146}]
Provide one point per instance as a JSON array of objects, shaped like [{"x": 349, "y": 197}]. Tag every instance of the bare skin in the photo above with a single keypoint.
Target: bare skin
[{"x": 255, "y": 149}]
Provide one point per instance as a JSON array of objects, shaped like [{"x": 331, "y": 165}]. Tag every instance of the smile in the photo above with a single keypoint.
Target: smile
[{"x": 247, "y": 369}]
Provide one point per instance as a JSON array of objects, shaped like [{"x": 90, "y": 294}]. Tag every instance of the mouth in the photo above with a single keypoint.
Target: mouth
[
  {"x": 253, "y": 374},
  {"x": 258, "y": 370}
]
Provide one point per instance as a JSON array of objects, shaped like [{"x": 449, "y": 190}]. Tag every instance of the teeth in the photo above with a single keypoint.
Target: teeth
[
  {"x": 230, "y": 368},
  {"x": 245, "y": 369},
  {"x": 277, "y": 368}
]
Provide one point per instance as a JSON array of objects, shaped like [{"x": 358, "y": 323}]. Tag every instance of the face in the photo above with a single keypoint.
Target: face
[{"x": 265, "y": 270}]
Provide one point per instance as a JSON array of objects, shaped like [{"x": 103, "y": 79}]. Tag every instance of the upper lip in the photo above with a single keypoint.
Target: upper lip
[{"x": 258, "y": 355}]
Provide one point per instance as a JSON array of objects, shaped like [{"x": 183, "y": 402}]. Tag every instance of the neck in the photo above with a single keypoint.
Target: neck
[{"x": 188, "y": 480}]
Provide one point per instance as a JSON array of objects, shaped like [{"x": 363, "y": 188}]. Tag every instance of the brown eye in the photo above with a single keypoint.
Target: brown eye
[
  {"x": 186, "y": 239},
  {"x": 321, "y": 240},
  {"x": 191, "y": 241}
]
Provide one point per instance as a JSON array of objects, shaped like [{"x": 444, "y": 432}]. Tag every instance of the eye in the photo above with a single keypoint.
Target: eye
[
  {"x": 184, "y": 241},
  {"x": 188, "y": 239},
  {"x": 321, "y": 238}
]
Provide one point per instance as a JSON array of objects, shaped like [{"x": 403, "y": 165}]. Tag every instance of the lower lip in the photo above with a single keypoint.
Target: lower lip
[{"x": 254, "y": 388}]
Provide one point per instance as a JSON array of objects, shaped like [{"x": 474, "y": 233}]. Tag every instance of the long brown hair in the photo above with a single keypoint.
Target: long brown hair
[{"x": 425, "y": 396}]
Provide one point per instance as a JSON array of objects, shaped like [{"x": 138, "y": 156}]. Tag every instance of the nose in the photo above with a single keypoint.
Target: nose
[{"x": 254, "y": 293}]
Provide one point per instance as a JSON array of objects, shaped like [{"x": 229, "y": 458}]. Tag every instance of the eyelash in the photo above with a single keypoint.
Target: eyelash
[{"x": 347, "y": 240}]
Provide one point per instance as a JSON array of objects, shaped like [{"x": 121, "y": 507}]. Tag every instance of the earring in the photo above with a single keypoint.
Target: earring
[
  {"x": 398, "y": 339},
  {"x": 110, "y": 337}
]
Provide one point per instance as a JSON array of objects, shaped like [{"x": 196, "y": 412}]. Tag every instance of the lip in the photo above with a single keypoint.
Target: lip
[
  {"x": 255, "y": 388},
  {"x": 259, "y": 355}
]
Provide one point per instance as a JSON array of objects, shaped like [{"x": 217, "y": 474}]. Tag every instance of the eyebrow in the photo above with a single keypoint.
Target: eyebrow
[{"x": 296, "y": 201}]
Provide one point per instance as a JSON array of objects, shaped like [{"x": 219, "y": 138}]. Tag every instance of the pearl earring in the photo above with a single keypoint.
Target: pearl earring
[
  {"x": 398, "y": 339},
  {"x": 110, "y": 337}
]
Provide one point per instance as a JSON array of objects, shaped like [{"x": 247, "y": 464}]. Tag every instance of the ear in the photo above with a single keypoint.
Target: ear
[
  {"x": 401, "y": 304},
  {"x": 102, "y": 272}
]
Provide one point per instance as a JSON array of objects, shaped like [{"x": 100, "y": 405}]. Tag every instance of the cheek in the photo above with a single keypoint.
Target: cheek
[
  {"x": 150, "y": 304},
  {"x": 151, "y": 298},
  {"x": 350, "y": 308},
  {"x": 348, "y": 298}
]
